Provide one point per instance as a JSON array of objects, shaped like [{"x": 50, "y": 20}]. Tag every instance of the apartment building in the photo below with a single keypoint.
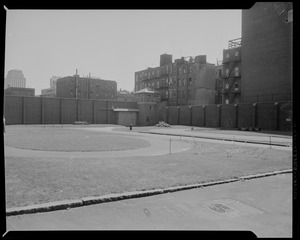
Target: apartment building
[{"x": 186, "y": 81}]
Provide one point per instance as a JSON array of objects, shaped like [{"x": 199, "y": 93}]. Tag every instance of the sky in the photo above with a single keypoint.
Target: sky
[{"x": 111, "y": 44}]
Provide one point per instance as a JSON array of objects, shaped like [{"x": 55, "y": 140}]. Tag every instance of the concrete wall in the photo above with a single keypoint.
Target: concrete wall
[
  {"x": 147, "y": 114},
  {"x": 173, "y": 115},
  {"x": 228, "y": 116},
  {"x": 198, "y": 116},
  {"x": 245, "y": 115},
  {"x": 35, "y": 110},
  {"x": 212, "y": 115},
  {"x": 13, "y": 109},
  {"x": 51, "y": 111},
  {"x": 185, "y": 115}
]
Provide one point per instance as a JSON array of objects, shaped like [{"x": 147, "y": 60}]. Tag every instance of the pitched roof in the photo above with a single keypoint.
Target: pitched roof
[{"x": 146, "y": 90}]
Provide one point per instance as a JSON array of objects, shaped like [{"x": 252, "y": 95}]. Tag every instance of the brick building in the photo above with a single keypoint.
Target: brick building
[
  {"x": 86, "y": 88},
  {"x": 182, "y": 82},
  {"x": 16, "y": 91},
  {"x": 267, "y": 52},
  {"x": 232, "y": 72}
]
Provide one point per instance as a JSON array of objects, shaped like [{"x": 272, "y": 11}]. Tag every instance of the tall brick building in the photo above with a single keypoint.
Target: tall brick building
[
  {"x": 86, "y": 88},
  {"x": 182, "y": 82},
  {"x": 267, "y": 52}
]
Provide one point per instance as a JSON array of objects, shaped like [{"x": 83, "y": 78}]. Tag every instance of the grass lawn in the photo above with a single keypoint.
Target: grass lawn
[
  {"x": 66, "y": 139},
  {"x": 38, "y": 180}
]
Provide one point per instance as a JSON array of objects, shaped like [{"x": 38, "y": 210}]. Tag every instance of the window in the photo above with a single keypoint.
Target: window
[
  {"x": 152, "y": 73},
  {"x": 153, "y": 84},
  {"x": 167, "y": 94},
  {"x": 179, "y": 82},
  {"x": 183, "y": 94},
  {"x": 236, "y": 54},
  {"x": 226, "y": 101},
  {"x": 227, "y": 71},
  {"x": 190, "y": 81},
  {"x": 236, "y": 86},
  {"x": 184, "y": 69},
  {"x": 158, "y": 72},
  {"x": 190, "y": 69},
  {"x": 157, "y": 84},
  {"x": 227, "y": 55},
  {"x": 184, "y": 82},
  {"x": 226, "y": 85},
  {"x": 236, "y": 71}
]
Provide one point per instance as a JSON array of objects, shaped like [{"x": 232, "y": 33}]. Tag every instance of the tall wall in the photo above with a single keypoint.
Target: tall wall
[
  {"x": 39, "y": 110},
  {"x": 35, "y": 110},
  {"x": 266, "y": 53}
]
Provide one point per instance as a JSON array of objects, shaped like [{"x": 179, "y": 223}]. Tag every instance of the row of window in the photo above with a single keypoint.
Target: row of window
[
  {"x": 236, "y": 86},
  {"x": 97, "y": 94},
  {"x": 236, "y": 71},
  {"x": 236, "y": 54},
  {"x": 151, "y": 73}
]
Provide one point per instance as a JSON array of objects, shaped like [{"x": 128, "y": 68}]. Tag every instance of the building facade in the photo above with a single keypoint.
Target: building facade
[
  {"x": 86, "y": 88},
  {"x": 182, "y": 82},
  {"x": 15, "y": 91},
  {"x": 267, "y": 45},
  {"x": 232, "y": 72},
  {"x": 219, "y": 82},
  {"x": 50, "y": 92},
  {"x": 125, "y": 96},
  {"x": 15, "y": 78}
]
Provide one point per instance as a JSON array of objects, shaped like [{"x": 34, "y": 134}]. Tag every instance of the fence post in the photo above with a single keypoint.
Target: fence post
[
  {"x": 236, "y": 115},
  {"x": 60, "y": 111},
  {"x": 254, "y": 114},
  {"x": 23, "y": 110},
  {"x": 191, "y": 115},
  {"x": 219, "y": 115},
  {"x": 204, "y": 115},
  {"x": 42, "y": 110},
  {"x": 276, "y": 116},
  {"x": 178, "y": 115},
  {"x": 167, "y": 114}
]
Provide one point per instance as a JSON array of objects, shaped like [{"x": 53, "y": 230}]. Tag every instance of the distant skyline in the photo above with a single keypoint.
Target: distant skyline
[{"x": 111, "y": 44}]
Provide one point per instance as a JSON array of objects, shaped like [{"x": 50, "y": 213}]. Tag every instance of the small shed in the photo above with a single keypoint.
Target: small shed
[{"x": 126, "y": 116}]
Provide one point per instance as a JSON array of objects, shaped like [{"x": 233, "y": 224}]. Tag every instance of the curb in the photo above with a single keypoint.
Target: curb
[
  {"x": 221, "y": 139},
  {"x": 67, "y": 204}
]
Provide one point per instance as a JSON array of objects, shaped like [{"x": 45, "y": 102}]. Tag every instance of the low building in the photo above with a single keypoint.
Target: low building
[
  {"x": 50, "y": 92},
  {"x": 147, "y": 95},
  {"x": 125, "y": 96},
  {"x": 15, "y": 91},
  {"x": 86, "y": 88}
]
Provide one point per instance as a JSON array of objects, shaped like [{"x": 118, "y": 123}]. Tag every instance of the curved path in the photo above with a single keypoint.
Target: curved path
[{"x": 159, "y": 145}]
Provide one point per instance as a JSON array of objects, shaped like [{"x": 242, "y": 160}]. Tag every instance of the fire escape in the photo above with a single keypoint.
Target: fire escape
[{"x": 231, "y": 77}]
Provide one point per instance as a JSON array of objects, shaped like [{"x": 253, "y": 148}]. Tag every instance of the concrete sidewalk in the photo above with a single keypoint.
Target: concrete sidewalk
[{"x": 261, "y": 205}]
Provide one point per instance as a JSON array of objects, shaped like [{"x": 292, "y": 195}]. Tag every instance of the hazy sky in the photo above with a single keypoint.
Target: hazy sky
[{"x": 111, "y": 44}]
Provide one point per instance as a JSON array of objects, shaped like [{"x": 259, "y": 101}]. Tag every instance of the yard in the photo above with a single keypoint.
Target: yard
[{"x": 39, "y": 180}]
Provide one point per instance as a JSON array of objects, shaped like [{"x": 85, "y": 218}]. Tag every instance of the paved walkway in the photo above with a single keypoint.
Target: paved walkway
[{"x": 261, "y": 205}]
